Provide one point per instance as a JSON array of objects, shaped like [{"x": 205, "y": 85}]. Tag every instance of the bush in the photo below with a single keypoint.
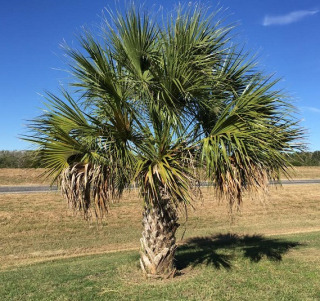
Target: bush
[
  {"x": 19, "y": 159},
  {"x": 305, "y": 158}
]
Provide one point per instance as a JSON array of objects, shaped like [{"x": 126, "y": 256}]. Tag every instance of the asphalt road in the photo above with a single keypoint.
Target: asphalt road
[
  {"x": 33, "y": 189},
  {"x": 26, "y": 189}
]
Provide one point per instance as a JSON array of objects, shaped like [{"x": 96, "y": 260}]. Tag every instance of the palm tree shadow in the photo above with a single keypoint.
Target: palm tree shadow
[{"x": 219, "y": 250}]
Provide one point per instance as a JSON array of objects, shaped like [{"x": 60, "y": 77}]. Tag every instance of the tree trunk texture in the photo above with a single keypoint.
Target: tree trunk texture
[{"x": 158, "y": 243}]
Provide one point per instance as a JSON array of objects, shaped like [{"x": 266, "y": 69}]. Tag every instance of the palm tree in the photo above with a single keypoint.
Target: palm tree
[{"x": 157, "y": 103}]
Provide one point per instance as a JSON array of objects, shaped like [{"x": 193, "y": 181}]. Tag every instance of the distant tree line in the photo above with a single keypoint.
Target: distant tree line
[
  {"x": 29, "y": 159},
  {"x": 305, "y": 158},
  {"x": 19, "y": 159}
]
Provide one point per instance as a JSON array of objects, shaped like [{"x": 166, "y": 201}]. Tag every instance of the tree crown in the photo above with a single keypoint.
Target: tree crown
[{"x": 157, "y": 102}]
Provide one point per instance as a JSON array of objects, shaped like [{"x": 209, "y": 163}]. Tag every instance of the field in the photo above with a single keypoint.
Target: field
[
  {"x": 271, "y": 251},
  {"x": 22, "y": 176},
  {"x": 16, "y": 176}
]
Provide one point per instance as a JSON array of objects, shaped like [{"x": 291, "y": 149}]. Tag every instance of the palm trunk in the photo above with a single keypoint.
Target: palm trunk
[{"x": 158, "y": 243}]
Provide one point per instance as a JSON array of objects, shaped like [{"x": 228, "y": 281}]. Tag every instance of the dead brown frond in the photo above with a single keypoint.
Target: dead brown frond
[
  {"x": 231, "y": 187},
  {"x": 86, "y": 187}
]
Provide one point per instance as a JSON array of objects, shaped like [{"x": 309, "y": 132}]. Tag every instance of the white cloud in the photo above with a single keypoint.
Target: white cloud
[
  {"x": 311, "y": 109},
  {"x": 289, "y": 18}
]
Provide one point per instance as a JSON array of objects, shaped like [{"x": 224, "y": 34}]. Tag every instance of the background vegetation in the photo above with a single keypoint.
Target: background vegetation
[
  {"x": 305, "y": 159},
  {"x": 29, "y": 159},
  {"x": 18, "y": 159}
]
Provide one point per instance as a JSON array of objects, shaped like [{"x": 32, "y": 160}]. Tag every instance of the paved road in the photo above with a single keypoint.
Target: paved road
[
  {"x": 26, "y": 189},
  {"x": 295, "y": 182},
  {"x": 33, "y": 189}
]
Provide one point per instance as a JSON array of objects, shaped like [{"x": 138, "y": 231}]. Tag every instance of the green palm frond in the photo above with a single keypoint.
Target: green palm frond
[
  {"x": 59, "y": 134},
  {"x": 165, "y": 168},
  {"x": 81, "y": 154},
  {"x": 134, "y": 42},
  {"x": 248, "y": 144}
]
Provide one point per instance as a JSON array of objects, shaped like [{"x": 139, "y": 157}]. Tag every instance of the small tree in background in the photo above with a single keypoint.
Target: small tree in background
[
  {"x": 155, "y": 103},
  {"x": 18, "y": 159}
]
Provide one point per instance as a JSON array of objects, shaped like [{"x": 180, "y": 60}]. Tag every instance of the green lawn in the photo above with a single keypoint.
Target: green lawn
[{"x": 225, "y": 267}]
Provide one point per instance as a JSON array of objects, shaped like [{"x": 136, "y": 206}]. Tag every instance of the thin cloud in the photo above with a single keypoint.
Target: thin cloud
[
  {"x": 289, "y": 18},
  {"x": 311, "y": 109}
]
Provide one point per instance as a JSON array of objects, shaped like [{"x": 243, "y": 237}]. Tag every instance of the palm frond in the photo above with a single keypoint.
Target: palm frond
[
  {"x": 248, "y": 144},
  {"x": 85, "y": 186},
  {"x": 165, "y": 168}
]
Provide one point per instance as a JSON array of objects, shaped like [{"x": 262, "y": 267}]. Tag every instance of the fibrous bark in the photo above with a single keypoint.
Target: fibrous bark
[{"x": 158, "y": 243}]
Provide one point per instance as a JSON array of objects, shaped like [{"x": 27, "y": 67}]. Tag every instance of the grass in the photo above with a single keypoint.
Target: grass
[
  {"x": 36, "y": 227},
  {"x": 22, "y": 176},
  {"x": 306, "y": 172},
  {"x": 270, "y": 252},
  {"x": 116, "y": 276},
  {"x": 16, "y": 176}
]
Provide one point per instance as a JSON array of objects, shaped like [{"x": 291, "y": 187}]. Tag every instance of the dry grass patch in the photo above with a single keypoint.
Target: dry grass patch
[
  {"x": 18, "y": 176},
  {"x": 287, "y": 209},
  {"x": 36, "y": 227},
  {"x": 22, "y": 176},
  {"x": 306, "y": 172}
]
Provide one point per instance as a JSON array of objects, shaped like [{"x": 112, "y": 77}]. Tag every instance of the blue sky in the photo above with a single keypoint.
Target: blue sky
[{"x": 284, "y": 33}]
